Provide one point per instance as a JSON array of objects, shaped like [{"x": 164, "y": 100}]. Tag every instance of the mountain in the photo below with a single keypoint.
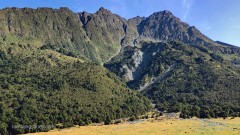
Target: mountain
[
  {"x": 96, "y": 36},
  {"x": 179, "y": 77},
  {"x": 179, "y": 68},
  {"x": 225, "y": 44},
  {"x": 164, "y": 26},
  {"x": 63, "y": 68},
  {"x": 61, "y": 91},
  {"x": 49, "y": 74},
  {"x": 107, "y": 31}
]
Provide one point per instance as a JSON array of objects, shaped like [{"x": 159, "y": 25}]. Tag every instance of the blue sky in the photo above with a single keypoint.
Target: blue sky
[{"x": 217, "y": 19}]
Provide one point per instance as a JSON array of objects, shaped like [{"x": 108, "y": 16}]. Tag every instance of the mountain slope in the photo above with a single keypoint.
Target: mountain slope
[
  {"x": 179, "y": 77},
  {"x": 186, "y": 75},
  {"x": 164, "y": 26},
  {"x": 97, "y": 37},
  {"x": 49, "y": 90}
]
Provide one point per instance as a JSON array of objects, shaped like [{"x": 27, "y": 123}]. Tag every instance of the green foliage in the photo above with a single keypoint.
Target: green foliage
[
  {"x": 35, "y": 93},
  {"x": 62, "y": 30},
  {"x": 190, "y": 79},
  {"x": 202, "y": 85},
  {"x": 216, "y": 57}
]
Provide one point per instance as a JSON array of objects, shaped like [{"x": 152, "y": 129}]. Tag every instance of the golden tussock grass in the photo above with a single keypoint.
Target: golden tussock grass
[{"x": 192, "y": 126}]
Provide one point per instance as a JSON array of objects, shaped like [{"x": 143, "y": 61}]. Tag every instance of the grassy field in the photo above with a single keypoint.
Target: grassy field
[{"x": 172, "y": 126}]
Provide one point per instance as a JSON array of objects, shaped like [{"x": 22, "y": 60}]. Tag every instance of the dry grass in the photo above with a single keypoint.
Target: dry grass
[{"x": 159, "y": 127}]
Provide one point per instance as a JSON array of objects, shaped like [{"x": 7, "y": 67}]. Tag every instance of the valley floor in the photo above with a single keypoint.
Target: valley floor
[{"x": 172, "y": 126}]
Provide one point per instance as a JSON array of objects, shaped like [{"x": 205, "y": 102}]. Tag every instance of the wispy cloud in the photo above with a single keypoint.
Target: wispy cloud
[
  {"x": 205, "y": 25},
  {"x": 186, "y": 5},
  {"x": 208, "y": 27},
  {"x": 236, "y": 26}
]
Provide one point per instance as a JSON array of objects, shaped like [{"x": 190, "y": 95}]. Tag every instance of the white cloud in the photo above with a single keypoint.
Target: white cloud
[
  {"x": 205, "y": 26},
  {"x": 186, "y": 5}
]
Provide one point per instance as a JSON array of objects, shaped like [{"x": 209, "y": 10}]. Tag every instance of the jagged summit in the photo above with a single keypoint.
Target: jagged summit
[
  {"x": 103, "y": 11},
  {"x": 164, "y": 12},
  {"x": 165, "y": 26}
]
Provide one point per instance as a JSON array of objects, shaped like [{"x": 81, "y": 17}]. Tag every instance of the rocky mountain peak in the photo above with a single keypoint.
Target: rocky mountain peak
[
  {"x": 164, "y": 16},
  {"x": 165, "y": 26},
  {"x": 103, "y": 11},
  {"x": 164, "y": 12}
]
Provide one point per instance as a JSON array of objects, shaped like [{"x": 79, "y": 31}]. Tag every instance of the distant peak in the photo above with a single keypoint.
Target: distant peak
[
  {"x": 103, "y": 10},
  {"x": 164, "y": 12}
]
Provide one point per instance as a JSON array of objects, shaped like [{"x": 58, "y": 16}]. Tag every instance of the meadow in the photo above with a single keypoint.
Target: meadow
[{"x": 172, "y": 126}]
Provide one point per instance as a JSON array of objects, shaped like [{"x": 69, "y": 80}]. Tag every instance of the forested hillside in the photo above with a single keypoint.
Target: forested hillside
[
  {"x": 179, "y": 77},
  {"x": 39, "y": 91}
]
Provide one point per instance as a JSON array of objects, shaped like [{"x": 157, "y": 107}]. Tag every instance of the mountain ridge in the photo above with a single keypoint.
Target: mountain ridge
[{"x": 116, "y": 32}]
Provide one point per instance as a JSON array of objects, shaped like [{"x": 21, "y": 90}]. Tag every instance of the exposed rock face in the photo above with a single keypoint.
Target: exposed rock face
[
  {"x": 131, "y": 70},
  {"x": 133, "y": 62}
]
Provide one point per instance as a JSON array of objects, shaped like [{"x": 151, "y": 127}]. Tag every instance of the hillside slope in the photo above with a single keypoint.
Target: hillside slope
[
  {"x": 97, "y": 37},
  {"x": 179, "y": 77},
  {"x": 164, "y": 26},
  {"x": 179, "y": 68},
  {"x": 61, "y": 91}
]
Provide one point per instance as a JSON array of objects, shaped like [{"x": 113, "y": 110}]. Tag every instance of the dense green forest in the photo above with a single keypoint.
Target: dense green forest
[
  {"x": 182, "y": 78},
  {"x": 33, "y": 92},
  {"x": 200, "y": 84}
]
